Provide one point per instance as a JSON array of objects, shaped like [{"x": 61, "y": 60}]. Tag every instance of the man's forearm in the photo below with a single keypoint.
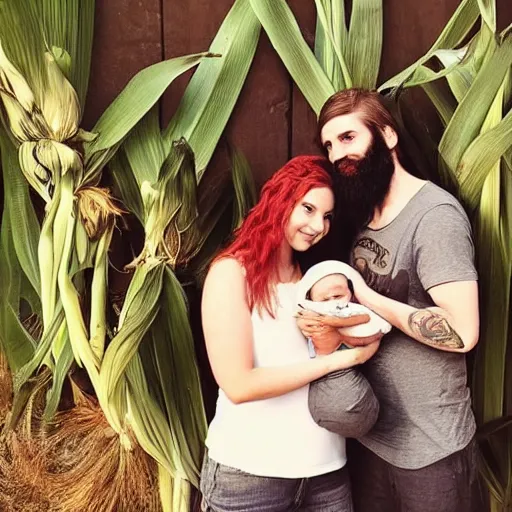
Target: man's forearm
[{"x": 430, "y": 326}]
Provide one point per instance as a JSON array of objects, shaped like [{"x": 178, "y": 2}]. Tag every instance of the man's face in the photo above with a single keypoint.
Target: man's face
[
  {"x": 363, "y": 167},
  {"x": 346, "y": 136}
]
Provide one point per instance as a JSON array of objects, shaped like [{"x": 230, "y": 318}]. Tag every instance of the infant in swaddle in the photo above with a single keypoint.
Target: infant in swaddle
[
  {"x": 343, "y": 401},
  {"x": 325, "y": 289}
]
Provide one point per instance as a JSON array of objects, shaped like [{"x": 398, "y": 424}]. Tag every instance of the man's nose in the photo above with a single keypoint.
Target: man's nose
[{"x": 337, "y": 153}]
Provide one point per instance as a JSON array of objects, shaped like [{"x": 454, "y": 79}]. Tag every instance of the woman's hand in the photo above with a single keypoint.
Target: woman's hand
[
  {"x": 343, "y": 359},
  {"x": 323, "y": 331}
]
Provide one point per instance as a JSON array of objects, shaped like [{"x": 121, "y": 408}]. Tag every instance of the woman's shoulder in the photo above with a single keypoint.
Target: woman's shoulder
[
  {"x": 226, "y": 273},
  {"x": 227, "y": 265}
]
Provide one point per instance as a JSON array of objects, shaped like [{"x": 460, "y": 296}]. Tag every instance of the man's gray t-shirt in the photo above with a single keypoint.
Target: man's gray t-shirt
[{"x": 425, "y": 405}]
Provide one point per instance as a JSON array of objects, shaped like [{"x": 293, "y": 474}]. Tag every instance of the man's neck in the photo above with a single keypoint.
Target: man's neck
[{"x": 402, "y": 188}]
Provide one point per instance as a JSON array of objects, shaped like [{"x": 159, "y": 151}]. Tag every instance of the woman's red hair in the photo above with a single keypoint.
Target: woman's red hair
[{"x": 258, "y": 240}]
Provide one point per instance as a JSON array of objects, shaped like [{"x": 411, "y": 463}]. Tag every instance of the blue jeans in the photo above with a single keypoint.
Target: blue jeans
[{"x": 226, "y": 489}]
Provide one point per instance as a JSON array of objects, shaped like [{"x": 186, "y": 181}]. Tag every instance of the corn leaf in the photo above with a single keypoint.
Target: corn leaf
[
  {"x": 331, "y": 42},
  {"x": 68, "y": 24},
  {"x": 364, "y": 46},
  {"x": 453, "y": 33},
  {"x": 213, "y": 91},
  {"x": 41, "y": 352},
  {"x": 21, "y": 37},
  {"x": 444, "y": 103},
  {"x": 331, "y": 32},
  {"x": 145, "y": 149},
  {"x": 125, "y": 184},
  {"x": 488, "y": 11},
  {"x": 467, "y": 121},
  {"x": 59, "y": 374},
  {"x": 284, "y": 33},
  {"x": 480, "y": 157},
  {"x": 174, "y": 377},
  {"x": 139, "y": 310},
  {"x": 136, "y": 99},
  {"x": 147, "y": 419},
  {"x": 23, "y": 220}
]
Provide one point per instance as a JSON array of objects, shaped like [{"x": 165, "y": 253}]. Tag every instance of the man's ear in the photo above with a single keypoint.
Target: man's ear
[{"x": 390, "y": 137}]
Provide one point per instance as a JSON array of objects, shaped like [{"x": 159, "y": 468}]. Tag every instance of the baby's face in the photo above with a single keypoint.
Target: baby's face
[{"x": 332, "y": 287}]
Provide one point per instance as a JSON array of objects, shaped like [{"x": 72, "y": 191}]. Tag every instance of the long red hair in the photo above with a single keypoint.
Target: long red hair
[{"x": 258, "y": 240}]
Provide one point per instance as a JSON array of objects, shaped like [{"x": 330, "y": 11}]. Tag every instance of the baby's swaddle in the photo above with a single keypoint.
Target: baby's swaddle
[{"x": 338, "y": 308}]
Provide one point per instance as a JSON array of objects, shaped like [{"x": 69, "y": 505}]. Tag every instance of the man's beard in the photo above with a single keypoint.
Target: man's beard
[{"x": 362, "y": 184}]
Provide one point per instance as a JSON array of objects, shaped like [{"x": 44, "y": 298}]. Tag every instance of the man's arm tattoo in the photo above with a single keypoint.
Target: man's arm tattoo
[{"x": 434, "y": 329}]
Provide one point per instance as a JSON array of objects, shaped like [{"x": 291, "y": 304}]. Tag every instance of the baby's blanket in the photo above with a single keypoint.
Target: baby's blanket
[{"x": 338, "y": 308}]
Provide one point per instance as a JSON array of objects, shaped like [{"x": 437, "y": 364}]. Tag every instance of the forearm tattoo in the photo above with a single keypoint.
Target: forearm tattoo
[{"x": 434, "y": 329}]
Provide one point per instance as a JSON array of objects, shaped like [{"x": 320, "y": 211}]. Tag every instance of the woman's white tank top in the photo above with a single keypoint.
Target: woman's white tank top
[{"x": 275, "y": 437}]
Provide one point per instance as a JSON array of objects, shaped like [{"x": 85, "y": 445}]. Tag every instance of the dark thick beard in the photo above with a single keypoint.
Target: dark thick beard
[{"x": 361, "y": 185}]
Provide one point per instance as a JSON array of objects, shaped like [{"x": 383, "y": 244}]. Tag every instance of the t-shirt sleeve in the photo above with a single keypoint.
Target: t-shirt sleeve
[{"x": 443, "y": 247}]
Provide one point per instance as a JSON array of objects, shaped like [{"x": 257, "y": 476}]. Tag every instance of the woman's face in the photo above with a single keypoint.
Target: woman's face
[{"x": 310, "y": 219}]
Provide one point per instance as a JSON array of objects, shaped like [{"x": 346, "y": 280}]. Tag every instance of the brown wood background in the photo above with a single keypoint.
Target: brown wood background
[{"x": 271, "y": 122}]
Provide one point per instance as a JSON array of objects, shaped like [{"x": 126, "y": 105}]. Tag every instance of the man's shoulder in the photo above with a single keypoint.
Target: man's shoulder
[
  {"x": 433, "y": 195},
  {"x": 434, "y": 200}
]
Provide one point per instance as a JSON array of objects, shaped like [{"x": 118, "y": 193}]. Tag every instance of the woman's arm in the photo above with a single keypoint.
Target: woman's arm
[{"x": 227, "y": 329}]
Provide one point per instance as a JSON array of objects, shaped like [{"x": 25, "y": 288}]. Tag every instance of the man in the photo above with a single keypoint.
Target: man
[{"x": 414, "y": 251}]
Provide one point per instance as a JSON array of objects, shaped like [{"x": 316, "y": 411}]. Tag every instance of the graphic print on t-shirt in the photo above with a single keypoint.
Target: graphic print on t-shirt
[{"x": 376, "y": 264}]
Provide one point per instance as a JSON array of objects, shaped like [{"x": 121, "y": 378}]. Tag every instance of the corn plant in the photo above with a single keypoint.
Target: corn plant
[
  {"x": 145, "y": 378},
  {"x": 475, "y": 160}
]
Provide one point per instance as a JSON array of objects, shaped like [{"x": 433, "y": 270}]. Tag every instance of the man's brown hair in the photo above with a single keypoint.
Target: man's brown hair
[{"x": 370, "y": 104}]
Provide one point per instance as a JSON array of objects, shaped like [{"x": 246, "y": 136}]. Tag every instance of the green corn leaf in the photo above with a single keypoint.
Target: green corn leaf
[
  {"x": 214, "y": 89},
  {"x": 469, "y": 116},
  {"x": 145, "y": 148},
  {"x": 329, "y": 48},
  {"x": 173, "y": 376},
  {"x": 213, "y": 225},
  {"x": 284, "y": 33},
  {"x": 140, "y": 308},
  {"x": 364, "y": 46},
  {"x": 454, "y": 32},
  {"x": 68, "y": 24},
  {"x": 59, "y": 374},
  {"x": 480, "y": 157},
  {"x": 136, "y": 99},
  {"x": 185, "y": 186},
  {"x": 488, "y": 11},
  {"x": 148, "y": 421},
  {"x": 21, "y": 37},
  {"x": 125, "y": 184},
  {"x": 444, "y": 103},
  {"x": 41, "y": 352},
  {"x": 23, "y": 221},
  {"x": 324, "y": 48},
  {"x": 495, "y": 277}
]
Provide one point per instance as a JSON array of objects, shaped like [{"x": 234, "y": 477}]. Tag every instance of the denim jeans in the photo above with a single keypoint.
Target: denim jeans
[
  {"x": 448, "y": 485},
  {"x": 226, "y": 489}
]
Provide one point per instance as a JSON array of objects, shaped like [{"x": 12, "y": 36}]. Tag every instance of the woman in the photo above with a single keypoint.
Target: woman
[{"x": 265, "y": 452}]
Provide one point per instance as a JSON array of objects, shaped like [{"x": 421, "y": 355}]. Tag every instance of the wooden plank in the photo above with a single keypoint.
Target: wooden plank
[
  {"x": 127, "y": 38},
  {"x": 259, "y": 124}
]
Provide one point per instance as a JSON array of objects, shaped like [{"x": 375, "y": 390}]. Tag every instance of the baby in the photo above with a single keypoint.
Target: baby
[
  {"x": 342, "y": 402},
  {"x": 326, "y": 290}
]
